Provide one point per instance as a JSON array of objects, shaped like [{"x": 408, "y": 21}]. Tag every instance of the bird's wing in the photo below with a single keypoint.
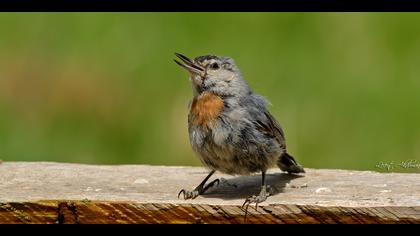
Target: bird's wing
[
  {"x": 263, "y": 120},
  {"x": 268, "y": 125}
]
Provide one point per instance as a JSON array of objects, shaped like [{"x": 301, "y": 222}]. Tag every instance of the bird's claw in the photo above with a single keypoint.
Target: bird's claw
[
  {"x": 188, "y": 194},
  {"x": 254, "y": 199},
  {"x": 264, "y": 194},
  {"x": 197, "y": 191},
  {"x": 215, "y": 182},
  {"x": 182, "y": 191}
]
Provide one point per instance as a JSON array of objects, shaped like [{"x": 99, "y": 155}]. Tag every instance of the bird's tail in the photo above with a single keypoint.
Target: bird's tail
[{"x": 289, "y": 164}]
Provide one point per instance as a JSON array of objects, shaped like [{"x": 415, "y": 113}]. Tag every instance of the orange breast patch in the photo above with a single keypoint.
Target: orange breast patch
[{"x": 205, "y": 108}]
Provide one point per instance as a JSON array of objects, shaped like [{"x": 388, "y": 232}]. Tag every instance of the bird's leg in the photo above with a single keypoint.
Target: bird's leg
[
  {"x": 200, "y": 189},
  {"x": 264, "y": 193}
]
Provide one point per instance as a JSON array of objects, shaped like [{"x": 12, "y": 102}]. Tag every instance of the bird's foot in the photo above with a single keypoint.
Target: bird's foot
[
  {"x": 266, "y": 191},
  {"x": 189, "y": 194},
  {"x": 200, "y": 190}
]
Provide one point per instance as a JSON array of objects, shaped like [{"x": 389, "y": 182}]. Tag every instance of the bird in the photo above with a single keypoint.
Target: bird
[{"x": 230, "y": 127}]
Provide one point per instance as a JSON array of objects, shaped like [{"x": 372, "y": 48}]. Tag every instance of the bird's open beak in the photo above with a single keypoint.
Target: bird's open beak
[{"x": 189, "y": 65}]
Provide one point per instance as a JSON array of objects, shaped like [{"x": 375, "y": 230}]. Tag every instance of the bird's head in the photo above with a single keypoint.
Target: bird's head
[{"x": 218, "y": 75}]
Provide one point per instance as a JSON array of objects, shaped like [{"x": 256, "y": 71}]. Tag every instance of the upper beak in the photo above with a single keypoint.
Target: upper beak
[{"x": 189, "y": 65}]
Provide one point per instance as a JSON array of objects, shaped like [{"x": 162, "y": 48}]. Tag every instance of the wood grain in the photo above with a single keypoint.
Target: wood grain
[{"x": 57, "y": 193}]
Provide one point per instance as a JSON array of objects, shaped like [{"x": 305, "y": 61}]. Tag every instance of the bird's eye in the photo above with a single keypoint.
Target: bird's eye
[{"x": 214, "y": 66}]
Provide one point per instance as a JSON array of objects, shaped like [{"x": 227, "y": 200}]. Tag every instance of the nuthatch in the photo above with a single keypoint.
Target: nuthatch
[{"x": 230, "y": 126}]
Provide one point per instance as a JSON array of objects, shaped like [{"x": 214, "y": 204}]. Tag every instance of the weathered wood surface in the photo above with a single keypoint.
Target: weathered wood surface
[{"x": 74, "y": 193}]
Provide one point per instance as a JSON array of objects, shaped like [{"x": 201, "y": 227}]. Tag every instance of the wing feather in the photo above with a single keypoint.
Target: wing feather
[{"x": 270, "y": 127}]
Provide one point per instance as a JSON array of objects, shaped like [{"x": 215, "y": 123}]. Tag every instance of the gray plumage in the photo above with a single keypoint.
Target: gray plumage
[
  {"x": 245, "y": 138},
  {"x": 230, "y": 127}
]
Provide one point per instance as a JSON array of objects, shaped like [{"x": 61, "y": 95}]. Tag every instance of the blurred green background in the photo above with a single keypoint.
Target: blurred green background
[{"x": 103, "y": 88}]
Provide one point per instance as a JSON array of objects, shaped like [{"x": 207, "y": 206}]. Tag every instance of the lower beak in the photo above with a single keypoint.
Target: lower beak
[{"x": 189, "y": 65}]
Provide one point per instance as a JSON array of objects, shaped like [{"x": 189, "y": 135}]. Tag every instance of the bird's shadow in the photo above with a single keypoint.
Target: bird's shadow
[{"x": 244, "y": 186}]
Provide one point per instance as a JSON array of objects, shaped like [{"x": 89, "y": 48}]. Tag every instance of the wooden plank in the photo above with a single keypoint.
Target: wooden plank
[{"x": 74, "y": 193}]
